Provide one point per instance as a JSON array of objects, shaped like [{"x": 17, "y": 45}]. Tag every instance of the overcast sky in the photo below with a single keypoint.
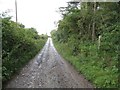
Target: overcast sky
[{"x": 40, "y": 14}]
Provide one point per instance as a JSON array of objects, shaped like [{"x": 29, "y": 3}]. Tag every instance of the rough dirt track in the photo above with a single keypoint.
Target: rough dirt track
[{"x": 48, "y": 70}]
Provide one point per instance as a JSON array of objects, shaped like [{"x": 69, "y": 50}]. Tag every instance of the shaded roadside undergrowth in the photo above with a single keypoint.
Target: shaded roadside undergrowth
[{"x": 99, "y": 68}]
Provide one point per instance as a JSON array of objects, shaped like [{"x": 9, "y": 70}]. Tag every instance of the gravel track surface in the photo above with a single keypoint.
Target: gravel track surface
[{"x": 48, "y": 70}]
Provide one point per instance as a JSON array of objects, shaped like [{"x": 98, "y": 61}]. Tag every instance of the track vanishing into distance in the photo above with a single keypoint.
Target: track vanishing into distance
[{"x": 48, "y": 70}]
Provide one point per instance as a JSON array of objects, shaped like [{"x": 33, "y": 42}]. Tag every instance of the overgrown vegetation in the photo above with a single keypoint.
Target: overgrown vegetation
[
  {"x": 19, "y": 46},
  {"x": 89, "y": 39}
]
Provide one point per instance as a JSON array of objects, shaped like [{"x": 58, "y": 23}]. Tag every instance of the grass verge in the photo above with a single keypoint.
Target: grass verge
[{"x": 91, "y": 64}]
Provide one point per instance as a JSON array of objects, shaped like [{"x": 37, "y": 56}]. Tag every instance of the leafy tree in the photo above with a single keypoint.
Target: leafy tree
[{"x": 77, "y": 40}]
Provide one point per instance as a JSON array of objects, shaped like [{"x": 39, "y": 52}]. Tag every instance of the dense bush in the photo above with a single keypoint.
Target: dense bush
[
  {"x": 19, "y": 45},
  {"x": 98, "y": 69}
]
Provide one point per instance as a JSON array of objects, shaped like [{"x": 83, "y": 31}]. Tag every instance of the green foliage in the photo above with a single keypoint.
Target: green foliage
[
  {"x": 19, "y": 45},
  {"x": 91, "y": 65},
  {"x": 73, "y": 40}
]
